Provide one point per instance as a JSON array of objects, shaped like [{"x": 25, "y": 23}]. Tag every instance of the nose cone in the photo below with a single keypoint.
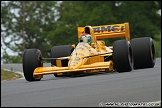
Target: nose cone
[
  {"x": 75, "y": 63},
  {"x": 77, "y": 59}
]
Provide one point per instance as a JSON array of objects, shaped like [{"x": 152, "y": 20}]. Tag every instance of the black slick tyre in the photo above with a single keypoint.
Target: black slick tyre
[
  {"x": 31, "y": 60},
  {"x": 122, "y": 56},
  {"x": 143, "y": 52},
  {"x": 61, "y": 51}
]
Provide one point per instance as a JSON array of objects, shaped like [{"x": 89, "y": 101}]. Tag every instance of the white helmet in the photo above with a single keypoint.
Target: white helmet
[{"x": 86, "y": 38}]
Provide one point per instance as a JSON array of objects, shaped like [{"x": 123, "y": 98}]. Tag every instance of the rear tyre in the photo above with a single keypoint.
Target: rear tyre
[
  {"x": 61, "y": 51},
  {"x": 31, "y": 60},
  {"x": 143, "y": 52},
  {"x": 122, "y": 56}
]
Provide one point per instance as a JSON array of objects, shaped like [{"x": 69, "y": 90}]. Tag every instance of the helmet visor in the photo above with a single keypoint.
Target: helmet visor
[{"x": 85, "y": 39}]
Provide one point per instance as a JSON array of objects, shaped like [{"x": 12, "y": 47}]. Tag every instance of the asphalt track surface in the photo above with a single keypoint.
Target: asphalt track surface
[{"x": 143, "y": 85}]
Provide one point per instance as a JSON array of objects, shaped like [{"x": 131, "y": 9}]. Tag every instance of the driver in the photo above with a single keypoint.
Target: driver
[{"x": 86, "y": 38}]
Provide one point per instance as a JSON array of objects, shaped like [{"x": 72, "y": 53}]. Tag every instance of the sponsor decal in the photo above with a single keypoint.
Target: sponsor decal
[{"x": 109, "y": 28}]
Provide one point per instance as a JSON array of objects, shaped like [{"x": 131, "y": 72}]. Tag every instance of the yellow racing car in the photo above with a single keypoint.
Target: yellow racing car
[{"x": 92, "y": 55}]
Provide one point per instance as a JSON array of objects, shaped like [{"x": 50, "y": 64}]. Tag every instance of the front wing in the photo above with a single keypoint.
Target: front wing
[{"x": 40, "y": 71}]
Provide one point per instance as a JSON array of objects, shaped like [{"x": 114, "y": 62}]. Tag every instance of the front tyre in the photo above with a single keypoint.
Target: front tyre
[
  {"x": 31, "y": 60},
  {"x": 122, "y": 56}
]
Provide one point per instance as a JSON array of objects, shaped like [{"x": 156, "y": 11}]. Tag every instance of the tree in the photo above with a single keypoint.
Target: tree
[
  {"x": 43, "y": 24},
  {"x": 10, "y": 58},
  {"x": 142, "y": 17},
  {"x": 26, "y": 24}
]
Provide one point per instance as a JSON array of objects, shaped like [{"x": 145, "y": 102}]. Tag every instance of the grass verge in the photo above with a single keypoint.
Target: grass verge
[{"x": 8, "y": 75}]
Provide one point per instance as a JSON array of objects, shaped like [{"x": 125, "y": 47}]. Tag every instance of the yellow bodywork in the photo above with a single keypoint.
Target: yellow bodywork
[{"x": 89, "y": 58}]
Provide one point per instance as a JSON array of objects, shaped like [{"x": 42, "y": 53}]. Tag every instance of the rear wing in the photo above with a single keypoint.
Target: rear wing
[{"x": 106, "y": 31}]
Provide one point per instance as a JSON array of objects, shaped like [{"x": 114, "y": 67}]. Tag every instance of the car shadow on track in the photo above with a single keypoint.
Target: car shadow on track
[{"x": 78, "y": 76}]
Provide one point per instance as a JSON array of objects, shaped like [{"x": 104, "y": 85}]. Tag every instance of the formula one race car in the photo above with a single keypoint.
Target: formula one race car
[{"x": 92, "y": 55}]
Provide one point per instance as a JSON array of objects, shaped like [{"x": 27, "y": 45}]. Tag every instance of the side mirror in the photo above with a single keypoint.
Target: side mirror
[
  {"x": 73, "y": 45},
  {"x": 92, "y": 44}
]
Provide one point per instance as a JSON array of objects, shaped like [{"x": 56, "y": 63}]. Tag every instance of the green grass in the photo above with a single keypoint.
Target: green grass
[{"x": 8, "y": 75}]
